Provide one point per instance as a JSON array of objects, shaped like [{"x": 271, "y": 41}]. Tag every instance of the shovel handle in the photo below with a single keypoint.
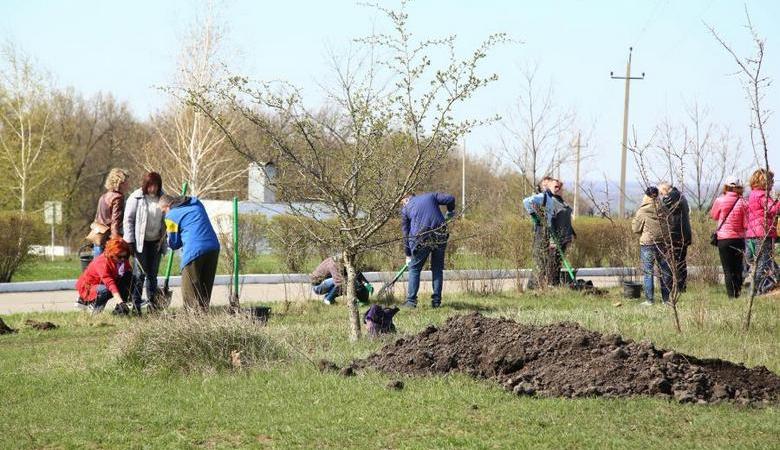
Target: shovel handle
[{"x": 169, "y": 265}]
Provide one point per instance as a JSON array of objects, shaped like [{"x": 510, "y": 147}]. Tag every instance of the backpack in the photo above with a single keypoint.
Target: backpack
[
  {"x": 379, "y": 320},
  {"x": 560, "y": 213}
]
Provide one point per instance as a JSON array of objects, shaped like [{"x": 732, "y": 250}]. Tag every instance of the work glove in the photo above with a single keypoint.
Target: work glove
[
  {"x": 369, "y": 288},
  {"x": 535, "y": 219},
  {"x": 408, "y": 260},
  {"x": 449, "y": 215}
]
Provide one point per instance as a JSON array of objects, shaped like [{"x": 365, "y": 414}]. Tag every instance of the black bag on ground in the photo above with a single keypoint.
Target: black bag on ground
[{"x": 379, "y": 320}]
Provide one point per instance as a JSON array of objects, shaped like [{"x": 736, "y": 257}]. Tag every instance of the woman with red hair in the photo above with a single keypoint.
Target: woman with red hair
[{"x": 106, "y": 277}]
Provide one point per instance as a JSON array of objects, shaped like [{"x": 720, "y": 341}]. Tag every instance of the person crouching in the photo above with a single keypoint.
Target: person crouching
[
  {"x": 328, "y": 278},
  {"x": 108, "y": 276}
]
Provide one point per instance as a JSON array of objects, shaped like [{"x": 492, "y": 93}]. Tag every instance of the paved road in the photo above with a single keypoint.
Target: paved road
[{"x": 20, "y": 302}]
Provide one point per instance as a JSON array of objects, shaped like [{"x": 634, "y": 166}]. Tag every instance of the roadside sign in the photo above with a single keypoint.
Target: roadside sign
[{"x": 52, "y": 213}]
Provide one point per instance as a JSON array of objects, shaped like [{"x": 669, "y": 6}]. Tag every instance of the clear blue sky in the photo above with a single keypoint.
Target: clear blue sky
[{"x": 127, "y": 47}]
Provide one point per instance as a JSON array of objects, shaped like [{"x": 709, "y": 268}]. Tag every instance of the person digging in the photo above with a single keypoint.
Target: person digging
[
  {"x": 553, "y": 231},
  {"x": 425, "y": 234},
  {"x": 189, "y": 228},
  {"x": 328, "y": 278}
]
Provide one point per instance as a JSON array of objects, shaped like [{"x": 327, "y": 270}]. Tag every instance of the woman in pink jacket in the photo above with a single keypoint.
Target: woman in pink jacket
[
  {"x": 762, "y": 228},
  {"x": 731, "y": 212}
]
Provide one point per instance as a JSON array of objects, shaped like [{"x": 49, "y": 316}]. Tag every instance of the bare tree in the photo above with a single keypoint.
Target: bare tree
[
  {"x": 712, "y": 154},
  {"x": 188, "y": 147},
  {"x": 24, "y": 123},
  {"x": 387, "y": 128},
  {"x": 539, "y": 131},
  {"x": 755, "y": 83}
]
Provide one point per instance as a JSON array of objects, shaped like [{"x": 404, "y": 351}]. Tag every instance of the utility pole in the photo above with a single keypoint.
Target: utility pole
[
  {"x": 624, "y": 147},
  {"x": 463, "y": 183},
  {"x": 577, "y": 178}
]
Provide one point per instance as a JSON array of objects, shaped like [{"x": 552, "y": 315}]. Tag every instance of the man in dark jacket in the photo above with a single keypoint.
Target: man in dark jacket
[
  {"x": 425, "y": 233},
  {"x": 678, "y": 218}
]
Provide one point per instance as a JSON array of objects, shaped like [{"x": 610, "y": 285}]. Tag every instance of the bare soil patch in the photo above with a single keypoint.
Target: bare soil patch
[{"x": 567, "y": 360}]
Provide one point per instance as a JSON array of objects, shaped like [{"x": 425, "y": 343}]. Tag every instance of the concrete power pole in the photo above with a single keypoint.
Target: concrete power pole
[
  {"x": 463, "y": 183},
  {"x": 624, "y": 146},
  {"x": 577, "y": 179}
]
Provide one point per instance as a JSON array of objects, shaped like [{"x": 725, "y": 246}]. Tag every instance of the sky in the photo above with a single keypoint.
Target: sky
[{"x": 129, "y": 48}]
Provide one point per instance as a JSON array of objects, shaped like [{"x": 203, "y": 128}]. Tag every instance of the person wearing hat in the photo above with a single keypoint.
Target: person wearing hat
[
  {"x": 731, "y": 213},
  {"x": 653, "y": 245},
  {"x": 678, "y": 218}
]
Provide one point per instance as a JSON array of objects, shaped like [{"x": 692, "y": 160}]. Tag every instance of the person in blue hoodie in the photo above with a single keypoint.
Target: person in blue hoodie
[
  {"x": 188, "y": 227},
  {"x": 425, "y": 234}
]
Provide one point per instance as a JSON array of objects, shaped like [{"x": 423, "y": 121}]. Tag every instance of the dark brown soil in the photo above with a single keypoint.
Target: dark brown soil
[
  {"x": 5, "y": 329},
  {"x": 566, "y": 360},
  {"x": 43, "y": 326}
]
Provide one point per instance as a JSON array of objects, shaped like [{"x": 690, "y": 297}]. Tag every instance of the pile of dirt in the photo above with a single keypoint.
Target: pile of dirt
[
  {"x": 5, "y": 329},
  {"x": 43, "y": 326},
  {"x": 566, "y": 360}
]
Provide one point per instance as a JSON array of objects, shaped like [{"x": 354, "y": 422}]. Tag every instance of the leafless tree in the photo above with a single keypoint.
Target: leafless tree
[
  {"x": 387, "y": 128},
  {"x": 755, "y": 83},
  {"x": 24, "y": 122},
  {"x": 188, "y": 146},
  {"x": 539, "y": 131}
]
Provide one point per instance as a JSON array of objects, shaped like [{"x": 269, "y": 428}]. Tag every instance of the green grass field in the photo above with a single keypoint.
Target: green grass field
[{"x": 67, "y": 388}]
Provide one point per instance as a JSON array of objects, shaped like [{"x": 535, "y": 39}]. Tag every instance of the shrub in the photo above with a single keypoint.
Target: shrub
[
  {"x": 18, "y": 231},
  {"x": 198, "y": 343},
  {"x": 292, "y": 243},
  {"x": 252, "y": 232}
]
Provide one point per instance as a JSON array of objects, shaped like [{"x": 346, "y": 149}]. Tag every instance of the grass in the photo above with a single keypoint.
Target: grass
[{"x": 69, "y": 388}]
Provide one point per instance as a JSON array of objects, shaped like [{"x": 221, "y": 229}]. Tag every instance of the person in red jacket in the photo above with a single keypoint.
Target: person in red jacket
[
  {"x": 107, "y": 276},
  {"x": 730, "y": 210},
  {"x": 762, "y": 229}
]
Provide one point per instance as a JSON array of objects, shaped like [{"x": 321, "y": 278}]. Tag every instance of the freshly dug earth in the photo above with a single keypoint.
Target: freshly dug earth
[{"x": 564, "y": 359}]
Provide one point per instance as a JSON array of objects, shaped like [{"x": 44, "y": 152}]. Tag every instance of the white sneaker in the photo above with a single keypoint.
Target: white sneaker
[
  {"x": 326, "y": 301},
  {"x": 82, "y": 305},
  {"x": 647, "y": 303}
]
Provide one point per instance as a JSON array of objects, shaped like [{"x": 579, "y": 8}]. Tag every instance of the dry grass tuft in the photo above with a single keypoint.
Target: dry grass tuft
[{"x": 198, "y": 343}]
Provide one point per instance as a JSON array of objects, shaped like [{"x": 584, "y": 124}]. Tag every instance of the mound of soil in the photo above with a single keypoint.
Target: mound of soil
[
  {"x": 5, "y": 329},
  {"x": 566, "y": 360},
  {"x": 43, "y": 326}
]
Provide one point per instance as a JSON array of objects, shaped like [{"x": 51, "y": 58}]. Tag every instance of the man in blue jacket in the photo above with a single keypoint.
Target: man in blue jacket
[
  {"x": 188, "y": 227},
  {"x": 425, "y": 233}
]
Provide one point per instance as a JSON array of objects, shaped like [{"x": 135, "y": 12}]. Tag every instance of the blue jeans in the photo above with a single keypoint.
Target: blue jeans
[
  {"x": 650, "y": 256},
  {"x": 765, "y": 265},
  {"x": 149, "y": 260},
  {"x": 97, "y": 250},
  {"x": 328, "y": 288},
  {"x": 419, "y": 256}
]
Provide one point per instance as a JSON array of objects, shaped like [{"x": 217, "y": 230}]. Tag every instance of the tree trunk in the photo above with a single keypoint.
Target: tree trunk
[{"x": 351, "y": 296}]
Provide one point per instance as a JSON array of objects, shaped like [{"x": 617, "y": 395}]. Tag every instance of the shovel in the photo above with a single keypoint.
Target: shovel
[{"x": 165, "y": 294}]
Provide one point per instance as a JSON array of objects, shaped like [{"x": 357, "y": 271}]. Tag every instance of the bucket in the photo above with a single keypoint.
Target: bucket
[
  {"x": 259, "y": 313},
  {"x": 632, "y": 289}
]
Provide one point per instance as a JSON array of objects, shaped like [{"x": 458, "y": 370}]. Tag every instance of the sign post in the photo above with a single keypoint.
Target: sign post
[{"x": 52, "y": 215}]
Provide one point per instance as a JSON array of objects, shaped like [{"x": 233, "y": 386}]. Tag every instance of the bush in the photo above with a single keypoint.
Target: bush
[
  {"x": 198, "y": 343},
  {"x": 18, "y": 231},
  {"x": 252, "y": 232},
  {"x": 292, "y": 243}
]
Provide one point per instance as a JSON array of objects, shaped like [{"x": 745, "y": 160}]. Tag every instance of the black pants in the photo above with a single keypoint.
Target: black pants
[
  {"x": 731, "y": 258},
  {"x": 680, "y": 254}
]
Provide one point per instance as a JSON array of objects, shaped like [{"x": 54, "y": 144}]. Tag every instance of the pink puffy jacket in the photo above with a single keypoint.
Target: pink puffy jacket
[
  {"x": 736, "y": 223},
  {"x": 757, "y": 200}
]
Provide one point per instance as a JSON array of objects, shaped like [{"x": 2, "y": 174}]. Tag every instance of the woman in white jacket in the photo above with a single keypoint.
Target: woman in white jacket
[{"x": 144, "y": 230}]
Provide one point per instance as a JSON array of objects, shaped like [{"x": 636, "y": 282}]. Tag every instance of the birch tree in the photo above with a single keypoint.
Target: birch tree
[
  {"x": 24, "y": 123},
  {"x": 187, "y": 146}
]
